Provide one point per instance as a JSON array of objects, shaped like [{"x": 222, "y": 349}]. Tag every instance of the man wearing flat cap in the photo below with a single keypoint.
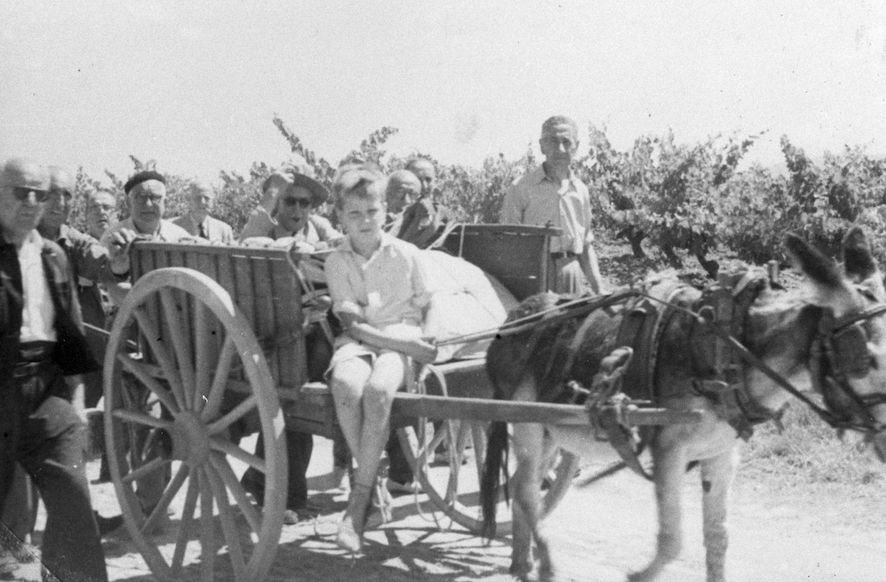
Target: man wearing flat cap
[
  {"x": 41, "y": 342},
  {"x": 198, "y": 222}
]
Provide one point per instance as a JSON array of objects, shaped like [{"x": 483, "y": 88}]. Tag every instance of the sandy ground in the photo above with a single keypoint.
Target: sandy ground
[{"x": 600, "y": 532}]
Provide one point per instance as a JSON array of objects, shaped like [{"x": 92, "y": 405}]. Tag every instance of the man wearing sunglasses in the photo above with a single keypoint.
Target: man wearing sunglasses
[
  {"x": 297, "y": 195},
  {"x": 290, "y": 198},
  {"x": 41, "y": 342}
]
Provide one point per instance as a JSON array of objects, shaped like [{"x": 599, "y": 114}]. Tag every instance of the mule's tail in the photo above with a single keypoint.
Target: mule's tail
[{"x": 493, "y": 469}]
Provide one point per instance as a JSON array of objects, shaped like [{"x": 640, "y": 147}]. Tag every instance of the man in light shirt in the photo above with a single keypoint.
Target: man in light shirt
[
  {"x": 41, "y": 342},
  {"x": 552, "y": 195}
]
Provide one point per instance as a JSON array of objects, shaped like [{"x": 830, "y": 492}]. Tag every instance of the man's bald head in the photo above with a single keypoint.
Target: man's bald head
[
  {"x": 403, "y": 189},
  {"x": 200, "y": 199},
  {"x": 58, "y": 205},
  {"x": 426, "y": 172},
  {"x": 24, "y": 186},
  {"x": 61, "y": 179},
  {"x": 24, "y": 172}
]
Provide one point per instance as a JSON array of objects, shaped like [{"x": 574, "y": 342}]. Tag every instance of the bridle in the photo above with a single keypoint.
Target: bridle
[{"x": 840, "y": 352}]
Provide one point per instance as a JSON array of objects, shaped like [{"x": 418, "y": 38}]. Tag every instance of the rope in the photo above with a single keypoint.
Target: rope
[{"x": 589, "y": 303}]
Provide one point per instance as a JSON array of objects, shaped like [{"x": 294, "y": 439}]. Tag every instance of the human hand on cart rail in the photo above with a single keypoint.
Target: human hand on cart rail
[{"x": 118, "y": 250}]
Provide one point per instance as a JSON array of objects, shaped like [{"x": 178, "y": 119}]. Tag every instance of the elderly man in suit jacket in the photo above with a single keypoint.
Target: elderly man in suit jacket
[{"x": 197, "y": 221}]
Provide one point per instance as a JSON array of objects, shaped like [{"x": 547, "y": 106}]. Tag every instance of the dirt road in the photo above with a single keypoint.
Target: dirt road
[{"x": 601, "y": 533}]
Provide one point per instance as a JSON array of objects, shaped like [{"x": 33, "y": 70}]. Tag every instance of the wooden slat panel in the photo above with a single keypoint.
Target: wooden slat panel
[{"x": 264, "y": 322}]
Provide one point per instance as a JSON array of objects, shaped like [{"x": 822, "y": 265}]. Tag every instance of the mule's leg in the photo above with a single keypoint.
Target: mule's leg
[
  {"x": 526, "y": 445},
  {"x": 670, "y": 465},
  {"x": 716, "y": 479}
]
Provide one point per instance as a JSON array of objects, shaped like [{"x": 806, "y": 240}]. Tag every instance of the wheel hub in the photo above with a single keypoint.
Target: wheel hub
[{"x": 190, "y": 439}]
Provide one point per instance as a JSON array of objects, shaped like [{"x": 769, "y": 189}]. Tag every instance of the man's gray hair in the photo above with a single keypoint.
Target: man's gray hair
[{"x": 551, "y": 122}]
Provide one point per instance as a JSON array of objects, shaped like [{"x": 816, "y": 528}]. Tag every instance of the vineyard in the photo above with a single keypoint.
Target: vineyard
[{"x": 671, "y": 202}]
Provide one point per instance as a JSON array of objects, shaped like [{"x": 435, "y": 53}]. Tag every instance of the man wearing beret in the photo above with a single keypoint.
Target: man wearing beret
[
  {"x": 41, "y": 342},
  {"x": 146, "y": 192}
]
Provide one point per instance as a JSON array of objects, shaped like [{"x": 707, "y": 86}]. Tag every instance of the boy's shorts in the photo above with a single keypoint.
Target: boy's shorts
[{"x": 347, "y": 348}]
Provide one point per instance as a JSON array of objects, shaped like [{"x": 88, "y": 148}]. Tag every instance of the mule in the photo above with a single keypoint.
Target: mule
[{"x": 829, "y": 336}]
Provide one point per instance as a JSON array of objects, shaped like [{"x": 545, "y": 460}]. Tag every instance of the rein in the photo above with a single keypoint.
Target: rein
[
  {"x": 830, "y": 418},
  {"x": 823, "y": 345}
]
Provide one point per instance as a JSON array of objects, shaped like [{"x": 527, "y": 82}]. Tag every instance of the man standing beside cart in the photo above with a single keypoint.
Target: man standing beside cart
[
  {"x": 552, "y": 195},
  {"x": 41, "y": 342}
]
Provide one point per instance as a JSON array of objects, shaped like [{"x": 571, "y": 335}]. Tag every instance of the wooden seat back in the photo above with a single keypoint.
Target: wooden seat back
[
  {"x": 263, "y": 282},
  {"x": 515, "y": 254}
]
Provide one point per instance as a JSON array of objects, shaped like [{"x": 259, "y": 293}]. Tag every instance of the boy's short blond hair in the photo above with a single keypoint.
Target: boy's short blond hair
[{"x": 359, "y": 182}]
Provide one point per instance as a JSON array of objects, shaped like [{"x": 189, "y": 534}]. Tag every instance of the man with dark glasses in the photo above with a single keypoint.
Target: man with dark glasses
[{"x": 41, "y": 342}]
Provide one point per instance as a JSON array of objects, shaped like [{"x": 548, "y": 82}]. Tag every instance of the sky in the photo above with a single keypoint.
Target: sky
[{"x": 195, "y": 85}]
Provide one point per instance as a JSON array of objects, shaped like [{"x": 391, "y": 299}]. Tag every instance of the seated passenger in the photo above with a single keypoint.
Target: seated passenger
[
  {"x": 294, "y": 221},
  {"x": 424, "y": 220},
  {"x": 198, "y": 222},
  {"x": 377, "y": 287},
  {"x": 289, "y": 213}
]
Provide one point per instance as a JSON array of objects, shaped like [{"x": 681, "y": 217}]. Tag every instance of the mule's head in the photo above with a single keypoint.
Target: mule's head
[{"x": 851, "y": 363}]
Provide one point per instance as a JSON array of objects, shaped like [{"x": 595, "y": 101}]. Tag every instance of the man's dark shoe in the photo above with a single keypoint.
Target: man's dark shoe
[
  {"x": 107, "y": 524},
  {"x": 290, "y": 517}
]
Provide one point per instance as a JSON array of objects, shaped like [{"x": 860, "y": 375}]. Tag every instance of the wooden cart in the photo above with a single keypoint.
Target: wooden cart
[{"x": 209, "y": 345}]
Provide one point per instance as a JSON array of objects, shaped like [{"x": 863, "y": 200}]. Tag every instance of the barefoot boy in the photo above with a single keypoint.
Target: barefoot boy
[{"x": 378, "y": 292}]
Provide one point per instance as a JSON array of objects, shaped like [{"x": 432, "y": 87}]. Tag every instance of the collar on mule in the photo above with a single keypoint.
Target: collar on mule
[{"x": 724, "y": 308}]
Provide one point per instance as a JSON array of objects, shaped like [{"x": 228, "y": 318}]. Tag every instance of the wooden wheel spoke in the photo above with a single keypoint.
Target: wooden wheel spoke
[
  {"x": 180, "y": 343},
  {"x": 220, "y": 380},
  {"x": 229, "y": 448},
  {"x": 229, "y": 526},
  {"x": 238, "y": 412},
  {"x": 207, "y": 527},
  {"x": 146, "y": 469},
  {"x": 203, "y": 354},
  {"x": 141, "y": 372},
  {"x": 452, "y": 484},
  {"x": 236, "y": 488},
  {"x": 141, "y": 418},
  {"x": 168, "y": 494},
  {"x": 187, "y": 521},
  {"x": 160, "y": 351}
]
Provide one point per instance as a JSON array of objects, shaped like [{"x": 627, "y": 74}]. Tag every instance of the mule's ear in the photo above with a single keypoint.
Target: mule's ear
[
  {"x": 858, "y": 262},
  {"x": 816, "y": 266}
]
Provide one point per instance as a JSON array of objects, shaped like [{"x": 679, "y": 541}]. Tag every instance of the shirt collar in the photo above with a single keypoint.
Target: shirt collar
[
  {"x": 386, "y": 240},
  {"x": 543, "y": 176}
]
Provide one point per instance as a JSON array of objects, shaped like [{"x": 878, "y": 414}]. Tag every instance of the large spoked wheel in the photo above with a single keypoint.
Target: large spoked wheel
[
  {"x": 172, "y": 429},
  {"x": 452, "y": 483}
]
